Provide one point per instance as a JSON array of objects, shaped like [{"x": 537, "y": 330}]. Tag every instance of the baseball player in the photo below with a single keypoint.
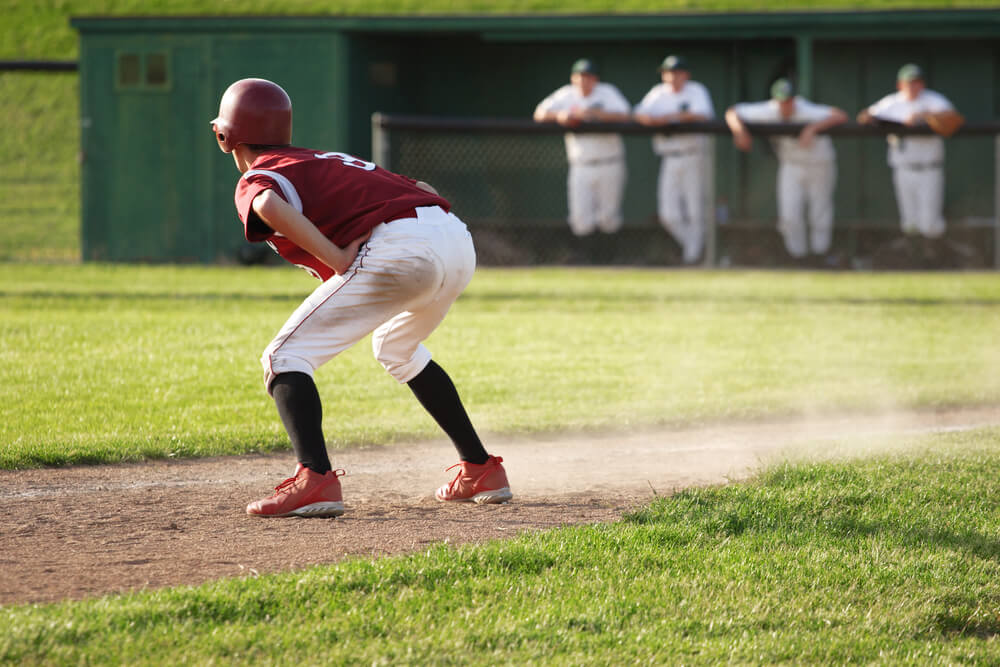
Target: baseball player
[
  {"x": 392, "y": 259},
  {"x": 807, "y": 164},
  {"x": 680, "y": 198},
  {"x": 917, "y": 161},
  {"x": 596, "y": 181}
]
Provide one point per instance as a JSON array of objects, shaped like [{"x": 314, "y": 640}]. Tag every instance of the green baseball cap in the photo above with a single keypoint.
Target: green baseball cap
[
  {"x": 584, "y": 66},
  {"x": 671, "y": 63},
  {"x": 782, "y": 90},
  {"x": 910, "y": 72}
]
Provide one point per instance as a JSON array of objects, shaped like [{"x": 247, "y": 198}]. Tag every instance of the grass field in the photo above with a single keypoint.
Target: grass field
[
  {"x": 891, "y": 560},
  {"x": 108, "y": 363}
]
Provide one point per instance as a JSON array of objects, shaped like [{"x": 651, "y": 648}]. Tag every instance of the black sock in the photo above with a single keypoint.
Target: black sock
[
  {"x": 436, "y": 392},
  {"x": 301, "y": 412}
]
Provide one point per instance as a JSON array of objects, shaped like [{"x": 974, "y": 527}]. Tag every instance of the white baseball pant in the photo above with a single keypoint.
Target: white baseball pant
[
  {"x": 805, "y": 192},
  {"x": 680, "y": 204},
  {"x": 920, "y": 195},
  {"x": 595, "y": 196},
  {"x": 399, "y": 289}
]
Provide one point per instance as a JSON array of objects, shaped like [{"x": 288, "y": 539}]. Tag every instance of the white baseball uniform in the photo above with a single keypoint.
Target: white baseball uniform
[
  {"x": 404, "y": 279},
  {"x": 680, "y": 188},
  {"x": 596, "y": 180},
  {"x": 807, "y": 176},
  {"x": 917, "y": 163}
]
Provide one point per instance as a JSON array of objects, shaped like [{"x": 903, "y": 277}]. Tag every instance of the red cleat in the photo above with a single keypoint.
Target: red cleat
[
  {"x": 480, "y": 483},
  {"x": 307, "y": 494}
]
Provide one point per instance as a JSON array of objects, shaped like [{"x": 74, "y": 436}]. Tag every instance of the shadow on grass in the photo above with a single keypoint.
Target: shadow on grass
[
  {"x": 783, "y": 512},
  {"x": 151, "y": 296},
  {"x": 68, "y": 457},
  {"x": 575, "y": 297}
]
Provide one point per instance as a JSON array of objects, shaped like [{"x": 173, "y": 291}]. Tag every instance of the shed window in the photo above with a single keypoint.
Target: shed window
[
  {"x": 128, "y": 70},
  {"x": 143, "y": 71},
  {"x": 156, "y": 69}
]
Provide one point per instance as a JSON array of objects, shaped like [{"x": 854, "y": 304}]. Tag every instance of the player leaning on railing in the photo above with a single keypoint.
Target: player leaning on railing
[
  {"x": 917, "y": 161},
  {"x": 392, "y": 259}
]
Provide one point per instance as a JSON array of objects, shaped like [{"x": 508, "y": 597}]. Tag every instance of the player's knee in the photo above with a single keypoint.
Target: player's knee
[
  {"x": 402, "y": 367},
  {"x": 274, "y": 363}
]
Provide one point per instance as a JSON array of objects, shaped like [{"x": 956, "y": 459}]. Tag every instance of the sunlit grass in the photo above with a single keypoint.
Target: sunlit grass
[{"x": 107, "y": 363}]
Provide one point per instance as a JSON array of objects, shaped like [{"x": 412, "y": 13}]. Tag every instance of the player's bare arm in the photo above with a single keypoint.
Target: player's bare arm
[
  {"x": 566, "y": 117},
  {"x": 865, "y": 117},
  {"x": 809, "y": 132},
  {"x": 599, "y": 115},
  {"x": 284, "y": 219},
  {"x": 666, "y": 119},
  {"x": 547, "y": 116},
  {"x": 689, "y": 117},
  {"x": 741, "y": 136}
]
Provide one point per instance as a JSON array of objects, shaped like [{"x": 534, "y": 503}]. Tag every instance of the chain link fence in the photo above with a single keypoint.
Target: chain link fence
[{"x": 507, "y": 181}]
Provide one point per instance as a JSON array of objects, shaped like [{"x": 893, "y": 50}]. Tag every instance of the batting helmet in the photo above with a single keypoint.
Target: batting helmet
[{"x": 253, "y": 111}]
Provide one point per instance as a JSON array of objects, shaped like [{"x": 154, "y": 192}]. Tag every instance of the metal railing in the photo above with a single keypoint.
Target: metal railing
[{"x": 38, "y": 66}]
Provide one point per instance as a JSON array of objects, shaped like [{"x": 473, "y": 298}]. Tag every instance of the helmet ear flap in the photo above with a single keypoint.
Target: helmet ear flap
[{"x": 222, "y": 135}]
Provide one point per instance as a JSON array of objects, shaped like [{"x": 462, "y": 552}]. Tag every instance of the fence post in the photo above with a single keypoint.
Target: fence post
[
  {"x": 708, "y": 197},
  {"x": 804, "y": 64},
  {"x": 380, "y": 142},
  {"x": 996, "y": 201}
]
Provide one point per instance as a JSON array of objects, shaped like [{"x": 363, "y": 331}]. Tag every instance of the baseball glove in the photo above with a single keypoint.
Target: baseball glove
[{"x": 945, "y": 123}]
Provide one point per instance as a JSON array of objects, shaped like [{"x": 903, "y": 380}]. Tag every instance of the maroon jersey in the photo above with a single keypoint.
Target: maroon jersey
[{"x": 344, "y": 196}]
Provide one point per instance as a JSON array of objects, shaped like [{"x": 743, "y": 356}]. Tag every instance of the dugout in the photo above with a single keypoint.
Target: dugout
[{"x": 156, "y": 188}]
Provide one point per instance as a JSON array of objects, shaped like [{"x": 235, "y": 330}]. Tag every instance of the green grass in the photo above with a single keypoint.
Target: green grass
[
  {"x": 892, "y": 560},
  {"x": 110, "y": 363},
  {"x": 40, "y": 173}
]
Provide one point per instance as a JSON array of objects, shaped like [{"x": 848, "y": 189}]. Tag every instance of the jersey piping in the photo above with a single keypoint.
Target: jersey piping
[{"x": 287, "y": 189}]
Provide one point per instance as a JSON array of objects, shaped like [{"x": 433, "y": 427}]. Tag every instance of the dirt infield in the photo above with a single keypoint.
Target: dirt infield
[{"x": 87, "y": 531}]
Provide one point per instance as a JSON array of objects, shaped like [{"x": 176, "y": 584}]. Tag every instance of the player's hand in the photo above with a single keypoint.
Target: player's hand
[
  {"x": 743, "y": 140},
  {"x": 349, "y": 253},
  {"x": 567, "y": 117},
  {"x": 427, "y": 187},
  {"x": 864, "y": 117}
]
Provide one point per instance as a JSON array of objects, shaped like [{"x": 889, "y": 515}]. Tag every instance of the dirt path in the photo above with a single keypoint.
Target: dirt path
[{"x": 86, "y": 531}]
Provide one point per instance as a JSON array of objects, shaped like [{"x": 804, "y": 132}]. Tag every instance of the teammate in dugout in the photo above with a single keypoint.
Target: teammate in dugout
[
  {"x": 680, "y": 188},
  {"x": 596, "y": 180},
  {"x": 917, "y": 161},
  {"x": 807, "y": 165},
  {"x": 392, "y": 258}
]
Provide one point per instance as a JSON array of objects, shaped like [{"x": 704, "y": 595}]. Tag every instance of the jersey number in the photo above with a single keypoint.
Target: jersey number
[{"x": 348, "y": 160}]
